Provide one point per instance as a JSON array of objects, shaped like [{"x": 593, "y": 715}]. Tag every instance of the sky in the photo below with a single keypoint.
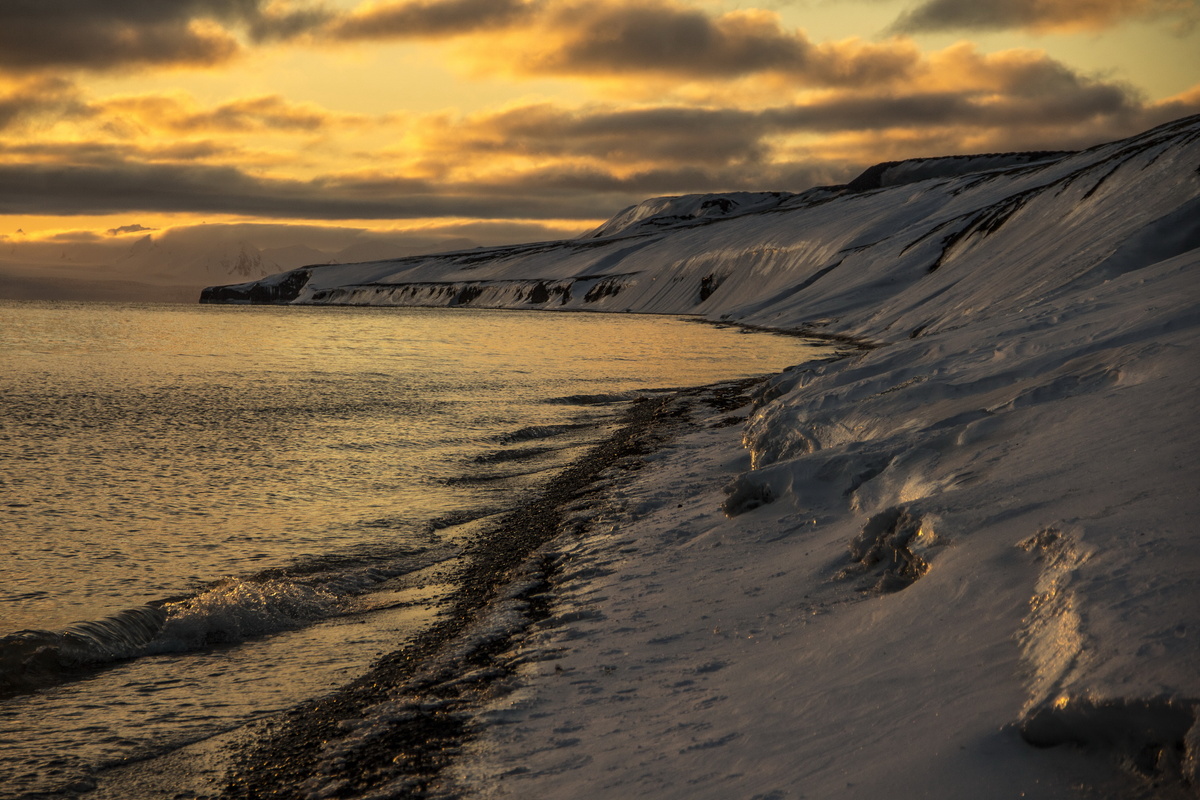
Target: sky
[{"x": 321, "y": 122}]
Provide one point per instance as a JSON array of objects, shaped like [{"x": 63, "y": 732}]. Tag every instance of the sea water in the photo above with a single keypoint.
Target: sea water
[{"x": 210, "y": 513}]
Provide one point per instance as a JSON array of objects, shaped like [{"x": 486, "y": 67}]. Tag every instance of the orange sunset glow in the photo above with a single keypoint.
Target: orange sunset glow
[{"x": 142, "y": 143}]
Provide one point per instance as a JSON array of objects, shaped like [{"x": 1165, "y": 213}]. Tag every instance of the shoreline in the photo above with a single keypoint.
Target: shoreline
[
  {"x": 408, "y": 715},
  {"x": 856, "y": 343},
  {"x": 963, "y": 560}
]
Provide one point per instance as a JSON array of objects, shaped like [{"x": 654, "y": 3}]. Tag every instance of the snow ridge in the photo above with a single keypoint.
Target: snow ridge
[
  {"x": 660, "y": 213},
  {"x": 898, "y": 173}
]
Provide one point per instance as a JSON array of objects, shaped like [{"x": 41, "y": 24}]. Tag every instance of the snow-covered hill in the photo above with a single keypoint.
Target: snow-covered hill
[
  {"x": 934, "y": 559},
  {"x": 855, "y": 263}
]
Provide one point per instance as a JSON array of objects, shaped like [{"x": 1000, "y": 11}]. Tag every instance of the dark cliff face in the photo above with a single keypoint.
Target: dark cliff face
[{"x": 285, "y": 289}]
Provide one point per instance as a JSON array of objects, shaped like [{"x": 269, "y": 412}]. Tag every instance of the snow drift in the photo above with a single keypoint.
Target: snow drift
[{"x": 972, "y": 542}]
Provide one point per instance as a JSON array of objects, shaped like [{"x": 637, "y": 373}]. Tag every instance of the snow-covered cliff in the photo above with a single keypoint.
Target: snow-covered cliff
[
  {"x": 878, "y": 263},
  {"x": 989, "y": 520}
]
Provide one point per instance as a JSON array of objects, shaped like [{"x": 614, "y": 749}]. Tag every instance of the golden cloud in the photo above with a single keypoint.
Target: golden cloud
[
  {"x": 546, "y": 157},
  {"x": 54, "y": 122},
  {"x": 35, "y": 41},
  {"x": 124, "y": 35},
  {"x": 957, "y": 94},
  {"x": 180, "y": 113},
  {"x": 751, "y": 105},
  {"x": 31, "y": 100},
  {"x": 427, "y": 19},
  {"x": 667, "y": 40}
]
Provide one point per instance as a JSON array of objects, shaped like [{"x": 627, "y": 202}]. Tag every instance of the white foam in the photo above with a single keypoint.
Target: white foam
[{"x": 236, "y": 610}]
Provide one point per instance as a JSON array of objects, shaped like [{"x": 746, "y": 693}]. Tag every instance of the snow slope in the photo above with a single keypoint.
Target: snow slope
[
  {"x": 659, "y": 213},
  {"x": 962, "y": 563}
]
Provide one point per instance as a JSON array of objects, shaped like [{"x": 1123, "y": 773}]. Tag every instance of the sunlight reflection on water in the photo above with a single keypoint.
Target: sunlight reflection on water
[{"x": 148, "y": 450}]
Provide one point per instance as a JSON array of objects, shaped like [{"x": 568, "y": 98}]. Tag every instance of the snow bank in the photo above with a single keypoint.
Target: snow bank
[
  {"x": 963, "y": 550},
  {"x": 932, "y": 563}
]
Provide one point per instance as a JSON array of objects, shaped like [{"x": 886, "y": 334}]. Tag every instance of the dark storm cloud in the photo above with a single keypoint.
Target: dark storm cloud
[
  {"x": 40, "y": 97},
  {"x": 1085, "y": 103},
  {"x": 109, "y": 155},
  {"x": 588, "y": 165},
  {"x": 940, "y": 15},
  {"x": 608, "y": 38},
  {"x": 957, "y": 110},
  {"x": 97, "y": 34},
  {"x": 673, "y": 39},
  {"x": 429, "y": 19},
  {"x": 270, "y": 26},
  {"x": 1038, "y": 15},
  {"x": 627, "y": 188},
  {"x": 1023, "y": 94},
  {"x": 73, "y": 190},
  {"x": 544, "y": 161},
  {"x": 621, "y": 38},
  {"x": 677, "y": 138},
  {"x": 115, "y": 34},
  {"x": 668, "y": 134}
]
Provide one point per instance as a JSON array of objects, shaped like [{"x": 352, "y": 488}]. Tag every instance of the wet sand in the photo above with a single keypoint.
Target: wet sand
[{"x": 396, "y": 728}]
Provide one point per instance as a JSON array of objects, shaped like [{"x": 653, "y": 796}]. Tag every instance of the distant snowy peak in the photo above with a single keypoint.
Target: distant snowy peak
[
  {"x": 659, "y": 213},
  {"x": 147, "y": 258},
  {"x": 899, "y": 173}
]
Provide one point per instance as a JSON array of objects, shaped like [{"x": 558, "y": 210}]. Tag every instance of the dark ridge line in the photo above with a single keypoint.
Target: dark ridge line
[
  {"x": 871, "y": 178},
  {"x": 816, "y": 276},
  {"x": 990, "y": 219},
  {"x": 542, "y": 291},
  {"x": 677, "y": 221},
  {"x": 1096, "y": 186},
  {"x": 986, "y": 221}
]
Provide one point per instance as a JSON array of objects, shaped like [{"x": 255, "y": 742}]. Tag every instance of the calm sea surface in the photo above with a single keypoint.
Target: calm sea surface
[{"x": 218, "y": 511}]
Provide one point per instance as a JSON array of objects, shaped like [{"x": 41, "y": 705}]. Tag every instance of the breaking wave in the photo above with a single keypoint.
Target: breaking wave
[
  {"x": 230, "y": 611},
  {"x": 30, "y": 659}
]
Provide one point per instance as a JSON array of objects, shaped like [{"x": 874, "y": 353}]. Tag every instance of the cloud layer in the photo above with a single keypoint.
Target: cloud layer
[{"x": 670, "y": 97}]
